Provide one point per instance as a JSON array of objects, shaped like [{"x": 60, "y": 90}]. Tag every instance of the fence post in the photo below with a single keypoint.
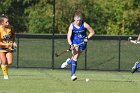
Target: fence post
[
  {"x": 53, "y": 48},
  {"x": 17, "y": 52},
  {"x": 119, "y": 56},
  {"x": 86, "y": 59}
]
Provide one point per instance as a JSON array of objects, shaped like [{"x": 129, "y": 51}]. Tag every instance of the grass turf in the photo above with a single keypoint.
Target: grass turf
[{"x": 58, "y": 81}]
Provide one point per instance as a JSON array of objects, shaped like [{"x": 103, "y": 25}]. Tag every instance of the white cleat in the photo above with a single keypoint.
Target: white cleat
[
  {"x": 73, "y": 77},
  {"x": 134, "y": 68},
  {"x": 65, "y": 64},
  {"x": 6, "y": 77}
]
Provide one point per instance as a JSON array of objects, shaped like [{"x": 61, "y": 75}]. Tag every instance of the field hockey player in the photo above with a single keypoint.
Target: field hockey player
[{"x": 77, "y": 33}]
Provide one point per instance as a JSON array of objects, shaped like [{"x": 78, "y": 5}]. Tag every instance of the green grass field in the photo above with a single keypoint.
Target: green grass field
[
  {"x": 58, "y": 81},
  {"x": 101, "y": 55}
]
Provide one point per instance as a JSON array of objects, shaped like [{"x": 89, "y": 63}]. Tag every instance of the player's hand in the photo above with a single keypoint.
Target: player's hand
[
  {"x": 86, "y": 39},
  {"x": 71, "y": 47},
  {"x": 14, "y": 44},
  {"x": 9, "y": 45}
]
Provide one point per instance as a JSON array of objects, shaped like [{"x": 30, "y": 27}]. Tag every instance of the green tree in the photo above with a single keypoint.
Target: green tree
[
  {"x": 14, "y": 9},
  {"x": 108, "y": 17},
  {"x": 40, "y": 17}
]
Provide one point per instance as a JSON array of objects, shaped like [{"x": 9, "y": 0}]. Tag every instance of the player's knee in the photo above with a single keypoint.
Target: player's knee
[
  {"x": 9, "y": 63},
  {"x": 74, "y": 58}
]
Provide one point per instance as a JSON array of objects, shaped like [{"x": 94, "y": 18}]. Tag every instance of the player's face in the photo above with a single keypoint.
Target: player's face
[
  {"x": 78, "y": 22},
  {"x": 5, "y": 22}
]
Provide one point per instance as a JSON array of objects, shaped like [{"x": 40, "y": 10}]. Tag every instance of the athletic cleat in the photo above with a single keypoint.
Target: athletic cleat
[
  {"x": 6, "y": 77},
  {"x": 73, "y": 78},
  {"x": 134, "y": 68},
  {"x": 65, "y": 64}
]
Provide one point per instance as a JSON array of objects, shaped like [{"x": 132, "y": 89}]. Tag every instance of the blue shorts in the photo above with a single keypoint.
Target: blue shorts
[{"x": 82, "y": 46}]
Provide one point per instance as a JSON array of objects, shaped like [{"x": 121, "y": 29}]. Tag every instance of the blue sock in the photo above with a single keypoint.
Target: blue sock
[
  {"x": 138, "y": 65},
  {"x": 73, "y": 66}
]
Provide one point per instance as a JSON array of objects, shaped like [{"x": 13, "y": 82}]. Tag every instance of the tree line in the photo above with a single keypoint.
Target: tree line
[{"x": 107, "y": 17}]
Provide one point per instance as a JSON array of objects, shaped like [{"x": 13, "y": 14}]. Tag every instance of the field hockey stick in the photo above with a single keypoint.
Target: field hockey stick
[
  {"x": 63, "y": 52},
  {"x": 12, "y": 48},
  {"x": 133, "y": 41}
]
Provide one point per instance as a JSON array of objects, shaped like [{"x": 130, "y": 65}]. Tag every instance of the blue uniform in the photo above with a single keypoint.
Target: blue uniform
[{"x": 78, "y": 35}]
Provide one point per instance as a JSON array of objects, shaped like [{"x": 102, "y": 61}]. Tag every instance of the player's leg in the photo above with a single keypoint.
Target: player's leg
[
  {"x": 66, "y": 63},
  {"x": 135, "y": 67},
  {"x": 4, "y": 64},
  {"x": 76, "y": 54},
  {"x": 0, "y": 62},
  {"x": 73, "y": 70},
  {"x": 9, "y": 56}
]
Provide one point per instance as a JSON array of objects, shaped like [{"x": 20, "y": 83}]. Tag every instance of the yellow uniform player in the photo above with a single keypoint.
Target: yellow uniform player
[{"x": 6, "y": 44}]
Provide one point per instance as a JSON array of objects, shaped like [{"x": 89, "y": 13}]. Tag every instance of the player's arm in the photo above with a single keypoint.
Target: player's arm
[
  {"x": 3, "y": 44},
  {"x": 7, "y": 45},
  {"x": 90, "y": 29},
  {"x": 69, "y": 34}
]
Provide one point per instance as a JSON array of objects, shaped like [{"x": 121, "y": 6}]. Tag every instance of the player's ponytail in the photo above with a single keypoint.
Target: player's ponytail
[{"x": 78, "y": 14}]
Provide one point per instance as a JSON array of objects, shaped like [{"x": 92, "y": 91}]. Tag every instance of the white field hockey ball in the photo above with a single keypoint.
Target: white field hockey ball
[
  {"x": 87, "y": 79},
  {"x": 130, "y": 38}
]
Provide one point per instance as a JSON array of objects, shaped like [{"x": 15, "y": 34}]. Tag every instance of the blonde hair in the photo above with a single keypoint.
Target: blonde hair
[{"x": 2, "y": 18}]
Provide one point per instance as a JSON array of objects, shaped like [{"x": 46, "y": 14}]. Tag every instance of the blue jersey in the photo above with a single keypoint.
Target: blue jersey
[{"x": 78, "y": 35}]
